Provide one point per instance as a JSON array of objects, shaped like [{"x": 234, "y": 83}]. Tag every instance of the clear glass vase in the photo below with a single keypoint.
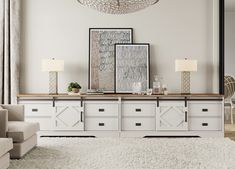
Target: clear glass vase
[{"x": 157, "y": 85}]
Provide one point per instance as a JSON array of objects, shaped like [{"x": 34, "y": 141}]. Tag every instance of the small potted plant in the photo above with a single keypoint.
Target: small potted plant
[{"x": 74, "y": 87}]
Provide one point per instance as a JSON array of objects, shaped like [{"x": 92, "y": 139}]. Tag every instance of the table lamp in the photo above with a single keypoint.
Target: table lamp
[
  {"x": 53, "y": 66},
  {"x": 185, "y": 66}
]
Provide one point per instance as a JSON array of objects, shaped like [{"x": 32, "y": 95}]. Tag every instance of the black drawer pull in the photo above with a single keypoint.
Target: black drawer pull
[
  {"x": 204, "y": 124},
  {"x": 101, "y": 124},
  {"x": 205, "y": 110},
  {"x": 138, "y": 110},
  {"x": 186, "y": 116},
  {"x": 81, "y": 118},
  {"x": 101, "y": 110},
  {"x": 34, "y": 110},
  {"x": 138, "y": 124}
]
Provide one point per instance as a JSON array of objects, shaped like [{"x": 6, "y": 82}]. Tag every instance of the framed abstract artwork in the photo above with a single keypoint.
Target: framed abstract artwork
[
  {"x": 101, "y": 56},
  {"x": 132, "y": 67}
]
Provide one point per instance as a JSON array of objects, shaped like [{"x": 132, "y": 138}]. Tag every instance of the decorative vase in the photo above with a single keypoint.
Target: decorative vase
[
  {"x": 75, "y": 90},
  {"x": 157, "y": 85},
  {"x": 137, "y": 87}
]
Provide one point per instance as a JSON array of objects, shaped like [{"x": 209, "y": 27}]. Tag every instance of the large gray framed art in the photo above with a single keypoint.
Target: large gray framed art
[
  {"x": 132, "y": 66},
  {"x": 101, "y": 55}
]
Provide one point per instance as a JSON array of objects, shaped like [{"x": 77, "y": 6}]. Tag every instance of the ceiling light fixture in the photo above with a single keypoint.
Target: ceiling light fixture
[{"x": 118, "y": 6}]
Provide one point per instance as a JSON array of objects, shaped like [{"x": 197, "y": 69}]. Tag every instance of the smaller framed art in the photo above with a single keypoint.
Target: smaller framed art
[{"x": 132, "y": 67}]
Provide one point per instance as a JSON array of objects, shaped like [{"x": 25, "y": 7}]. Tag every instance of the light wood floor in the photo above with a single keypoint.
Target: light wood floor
[
  {"x": 230, "y": 135},
  {"x": 228, "y": 127},
  {"x": 230, "y": 131}
]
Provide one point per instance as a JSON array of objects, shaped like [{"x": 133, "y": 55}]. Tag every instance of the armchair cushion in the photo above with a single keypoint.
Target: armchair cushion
[
  {"x": 21, "y": 131},
  {"x": 3, "y": 122},
  {"x": 5, "y": 145},
  {"x": 15, "y": 112}
]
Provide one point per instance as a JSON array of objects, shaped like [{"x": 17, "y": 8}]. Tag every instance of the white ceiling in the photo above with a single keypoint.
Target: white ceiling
[{"x": 230, "y": 5}]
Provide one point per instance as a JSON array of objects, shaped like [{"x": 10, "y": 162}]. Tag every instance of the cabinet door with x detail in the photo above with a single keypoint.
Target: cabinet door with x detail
[
  {"x": 69, "y": 115},
  {"x": 172, "y": 116}
]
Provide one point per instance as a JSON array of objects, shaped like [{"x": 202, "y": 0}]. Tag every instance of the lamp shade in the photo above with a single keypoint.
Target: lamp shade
[
  {"x": 52, "y": 65},
  {"x": 186, "y": 65}
]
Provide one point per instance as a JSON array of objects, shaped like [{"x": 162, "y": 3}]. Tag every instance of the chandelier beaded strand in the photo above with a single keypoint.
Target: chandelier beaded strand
[{"x": 118, "y": 7}]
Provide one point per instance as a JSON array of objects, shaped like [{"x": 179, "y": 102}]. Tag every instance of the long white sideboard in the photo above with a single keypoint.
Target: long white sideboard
[{"x": 126, "y": 115}]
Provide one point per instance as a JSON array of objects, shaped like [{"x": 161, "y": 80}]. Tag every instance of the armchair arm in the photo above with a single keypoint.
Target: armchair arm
[
  {"x": 15, "y": 112},
  {"x": 3, "y": 122}
]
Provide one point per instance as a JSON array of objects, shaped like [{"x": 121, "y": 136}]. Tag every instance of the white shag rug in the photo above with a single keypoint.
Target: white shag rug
[{"x": 148, "y": 153}]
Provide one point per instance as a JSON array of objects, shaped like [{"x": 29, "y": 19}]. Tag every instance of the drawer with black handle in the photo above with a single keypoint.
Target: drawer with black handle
[
  {"x": 104, "y": 124},
  {"x": 205, "y": 109},
  {"x": 205, "y": 123},
  {"x": 138, "y": 124},
  {"x": 38, "y": 110},
  {"x": 138, "y": 110},
  {"x": 101, "y": 109}
]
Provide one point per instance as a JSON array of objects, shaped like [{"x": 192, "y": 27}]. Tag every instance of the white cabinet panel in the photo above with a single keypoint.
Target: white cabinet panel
[
  {"x": 38, "y": 110},
  {"x": 139, "y": 123},
  {"x": 68, "y": 116},
  {"x": 205, "y": 109},
  {"x": 105, "y": 124},
  {"x": 139, "y": 109},
  {"x": 205, "y": 123},
  {"x": 172, "y": 116},
  {"x": 101, "y": 109},
  {"x": 46, "y": 123}
]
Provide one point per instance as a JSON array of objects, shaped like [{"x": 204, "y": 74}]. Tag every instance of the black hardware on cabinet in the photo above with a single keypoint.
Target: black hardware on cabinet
[
  {"x": 204, "y": 124},
  {"x": 34, "y": 110},
  {"x": 157, "y": 101},
  {"x": 81, "y": 102},
  {"x": 53, "y": 101},
  {"x": 185, "y": 102},
  {"x": 205, "y": 110},
  {"x": 138, "y": 124},
  {"x": 101, "y": 124},
  {"x": 101, "y": 110},
  {"x": 138, "y": 110},
  {"x": 82, "y": 116},
  {"x": 186, "y": 116}
]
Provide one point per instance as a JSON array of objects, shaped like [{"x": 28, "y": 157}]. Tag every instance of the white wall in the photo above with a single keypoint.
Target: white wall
[
  {"x": 229, "y": 5},
  {"x": 59, "y": 28},
  {"x": 230, "y": 43}
]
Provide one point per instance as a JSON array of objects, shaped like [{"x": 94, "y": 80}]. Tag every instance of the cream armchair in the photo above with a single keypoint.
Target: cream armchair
[
  {"x": 229, "y": 90},
  {"x": 5, "y": 146},
  {"x": 12, "y": 125}
]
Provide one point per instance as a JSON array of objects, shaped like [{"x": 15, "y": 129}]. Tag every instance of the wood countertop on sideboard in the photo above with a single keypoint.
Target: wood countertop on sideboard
[{"x": 118, "y": 95}]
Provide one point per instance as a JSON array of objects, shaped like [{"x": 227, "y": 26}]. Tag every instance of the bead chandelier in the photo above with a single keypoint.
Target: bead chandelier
[{"x": 118, "y": 6}]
